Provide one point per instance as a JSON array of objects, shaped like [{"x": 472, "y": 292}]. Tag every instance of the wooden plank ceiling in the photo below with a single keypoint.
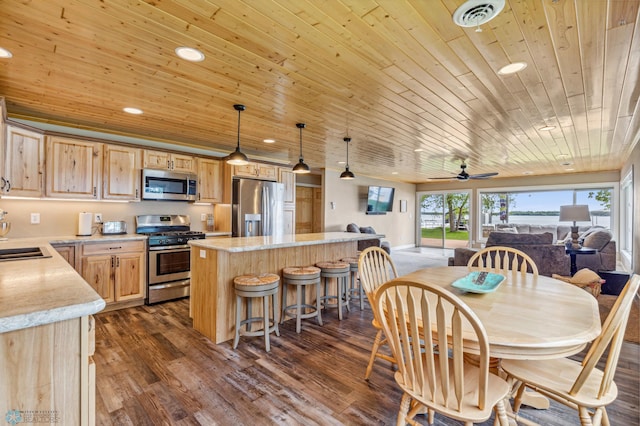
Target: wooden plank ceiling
[{"x": 416, "y": 93}]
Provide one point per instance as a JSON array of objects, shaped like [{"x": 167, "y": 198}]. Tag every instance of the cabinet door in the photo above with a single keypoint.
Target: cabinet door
[
  {"x": 209, "y": 181},
  {"x": 183, "y": 163},
  {"x": 248, "y": 170},
  {"x": 24, "y": 163},
  {"x": 121, "y": 173},
  {"x": 288, "y": 178},
  {"x": 289, "y": 220},
  {"x": 156, "y": 160},
  {"x": 73, "y": 168},
  {"x": 68, "y": 252},
  {"x": 267, "y": 171},
  {"x": 129, "y": 276},
  {"x": 98, "y": 272}
]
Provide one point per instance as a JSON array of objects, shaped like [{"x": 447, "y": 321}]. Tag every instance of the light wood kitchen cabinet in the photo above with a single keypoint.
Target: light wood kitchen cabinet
[
  {"x": 163, "y": 160},
  {"x": 24, "y": 163},
  {"x": 68, "y": 252},
  {"x": 210, "y": 183},
  {"x": 288, "y": 178},
  {"x": 121, "y": 173},
  {"x": 50, "y": 371},
  {"x": 257, "y": 171},
  {"x": 73, "y": 168},
  {"x": 116, "y": 271}
]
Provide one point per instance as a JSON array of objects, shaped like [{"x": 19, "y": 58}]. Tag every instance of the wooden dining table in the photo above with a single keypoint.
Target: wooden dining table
[{"x": 526, "y": 316}]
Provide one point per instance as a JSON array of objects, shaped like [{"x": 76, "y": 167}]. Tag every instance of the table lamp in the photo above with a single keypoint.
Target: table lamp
[{"x": 575, "y": 213}]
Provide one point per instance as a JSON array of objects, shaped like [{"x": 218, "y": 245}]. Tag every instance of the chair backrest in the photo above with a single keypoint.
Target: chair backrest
[
  {"x": 375, "y": 267},
  {"x": 502, "y": 259},
  {"x": 611, "y": 336},
  {"x": 422, "y": 372}
]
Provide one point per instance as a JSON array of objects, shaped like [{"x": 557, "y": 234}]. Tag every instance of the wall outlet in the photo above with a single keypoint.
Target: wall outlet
[
  {"x": 35, "y": 218},
  {"x": 203, "y": 217},
  {"x": 97, "y": 217}
]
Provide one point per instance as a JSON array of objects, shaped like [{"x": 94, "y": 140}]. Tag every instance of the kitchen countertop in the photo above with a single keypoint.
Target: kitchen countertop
[
  {"x": 41, "y": 291},
  {"x": 242, "y": 244}
]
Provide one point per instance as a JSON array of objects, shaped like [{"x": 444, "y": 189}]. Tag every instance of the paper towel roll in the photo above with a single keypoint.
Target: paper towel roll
[{"x": 84, "y": 223}]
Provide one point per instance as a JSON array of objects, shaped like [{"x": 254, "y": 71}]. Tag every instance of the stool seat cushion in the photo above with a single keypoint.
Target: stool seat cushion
[
  {"x": 301, "y": 270},
  {"x": 350, "y": 259},
  {"x": 256, "y": 282},
  {"x": 332, "y": 264}
]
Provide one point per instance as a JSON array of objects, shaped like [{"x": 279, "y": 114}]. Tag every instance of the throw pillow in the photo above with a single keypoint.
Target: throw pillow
[
  {"x": 508, "y": 230},
  {"x": 352, "y": 227},
  {"x": 597, "y": 240},
  {"x": 367, "y": 230}
]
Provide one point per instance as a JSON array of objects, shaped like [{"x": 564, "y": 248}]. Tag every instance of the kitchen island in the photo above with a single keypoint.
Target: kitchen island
[
  {"x": 215, "y": 262},
  {"x": 46, "y": 338}
]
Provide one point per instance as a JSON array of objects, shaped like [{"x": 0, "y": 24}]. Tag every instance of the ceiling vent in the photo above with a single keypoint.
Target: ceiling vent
[{"x": 474, "y": 13}]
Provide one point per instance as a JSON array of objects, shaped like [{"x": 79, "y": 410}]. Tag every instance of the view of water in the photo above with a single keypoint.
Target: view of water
[{"x": 432, "y": 221}]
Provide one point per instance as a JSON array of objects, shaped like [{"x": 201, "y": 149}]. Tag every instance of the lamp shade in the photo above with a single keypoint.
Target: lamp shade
[{"x": 575, "y": 213}]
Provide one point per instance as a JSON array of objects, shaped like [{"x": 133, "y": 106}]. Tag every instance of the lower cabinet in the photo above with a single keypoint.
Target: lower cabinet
[
  {"x": 68, "y": 251},
  {"x": 47, "y": 374},
  {"x": 116, "y": 271}
]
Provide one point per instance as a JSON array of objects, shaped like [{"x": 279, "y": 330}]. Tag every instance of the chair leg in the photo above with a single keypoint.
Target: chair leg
[
  {"x": 404, "y": 409},
  {"x": 284, "y": 303},
  {"x": 236, "y": 339},
  {"x": 517, "y": 401},
  {"x": 298, "y": 308},
  {"x": 276, "y": 311},
  {"x": 318, "y": 303},
  {"x": 374, "y": 351},
  {"x": 605, "y": 417},
  {"x": 585, "y": 417},
  {"x": 501, "y": 413},
  {"x": 265, "y": 314}
]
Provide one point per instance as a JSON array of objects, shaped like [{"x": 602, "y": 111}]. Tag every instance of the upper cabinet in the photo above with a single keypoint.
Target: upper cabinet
[
  {"x": 73, "y": 168},
  {"x": 24, "y": 163},
  {"x": 210, "y": 183},
  {"x": 257, "y": 170},
  {"x": 169, "y": 161},
  {"x": 121, "y": 173},
  {"x": 288, "y": 178}
]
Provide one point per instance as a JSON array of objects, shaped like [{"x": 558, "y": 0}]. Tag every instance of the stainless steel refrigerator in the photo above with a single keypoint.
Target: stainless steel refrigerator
[{"x": 257, "y": 208}]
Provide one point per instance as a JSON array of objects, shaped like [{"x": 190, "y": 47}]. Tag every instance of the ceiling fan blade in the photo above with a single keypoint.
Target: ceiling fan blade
[
  {"x": 483, "y": 175},
  {"x": 445, "y": 178}
]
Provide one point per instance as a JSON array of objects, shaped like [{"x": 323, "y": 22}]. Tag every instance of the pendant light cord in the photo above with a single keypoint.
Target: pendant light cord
[
  {"x": 238, "y": 145},
  {"x": 300, "y": 158}
]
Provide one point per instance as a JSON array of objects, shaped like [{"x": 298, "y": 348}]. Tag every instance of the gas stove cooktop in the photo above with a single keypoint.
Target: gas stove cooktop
[{"x": 166, "y": 230}]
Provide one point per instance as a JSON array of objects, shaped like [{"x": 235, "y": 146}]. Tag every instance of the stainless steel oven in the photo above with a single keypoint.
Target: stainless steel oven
[{"x": 169, "y": 255}]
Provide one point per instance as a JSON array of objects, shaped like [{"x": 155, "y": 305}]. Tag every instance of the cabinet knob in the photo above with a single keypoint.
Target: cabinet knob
[
  {"x": 8, "y": 185},
  {"x": 95, "y": 191},
  {"x": 4, "y": 182}
]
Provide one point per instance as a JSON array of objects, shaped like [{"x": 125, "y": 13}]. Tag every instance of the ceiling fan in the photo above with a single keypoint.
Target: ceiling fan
[{"x": 463, "y": 175}]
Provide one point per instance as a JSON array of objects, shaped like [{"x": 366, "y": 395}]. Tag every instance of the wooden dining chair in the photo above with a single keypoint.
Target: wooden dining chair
[
  {"x": 502, "y": 259},
  {"x": 375, "y": 267},
  {"x": 580, "y": 385},
  {"x": 433, "y": 374}
]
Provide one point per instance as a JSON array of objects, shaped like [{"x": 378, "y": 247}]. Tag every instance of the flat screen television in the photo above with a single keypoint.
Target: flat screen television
[{"x": 380, "y": 199}]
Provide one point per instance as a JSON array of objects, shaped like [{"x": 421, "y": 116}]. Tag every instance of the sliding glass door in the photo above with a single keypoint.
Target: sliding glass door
[{"x": 444, "y": 219}]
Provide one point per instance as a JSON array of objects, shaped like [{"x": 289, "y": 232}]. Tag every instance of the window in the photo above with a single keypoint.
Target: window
[
  {"x": 626, "y": 221},
  {"x": 542, "y": 207}
]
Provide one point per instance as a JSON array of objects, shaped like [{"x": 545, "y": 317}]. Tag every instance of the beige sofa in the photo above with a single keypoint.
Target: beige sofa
[{"x": 544, "y": 244}]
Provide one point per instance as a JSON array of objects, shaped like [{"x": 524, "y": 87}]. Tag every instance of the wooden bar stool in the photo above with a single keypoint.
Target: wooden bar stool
[
  {"x": 301, "y": 277},
  {"x": 355, "y": 288},
  {"x": 256, "y": 286},
  {"x": 340, "y": 271}
]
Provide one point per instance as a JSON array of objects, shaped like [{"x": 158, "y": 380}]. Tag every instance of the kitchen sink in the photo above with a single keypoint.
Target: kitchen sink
[{"x": 23, "y": 253}]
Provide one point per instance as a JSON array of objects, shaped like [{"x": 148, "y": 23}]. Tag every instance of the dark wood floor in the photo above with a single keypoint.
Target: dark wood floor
[{"x": 154, "y": 369}]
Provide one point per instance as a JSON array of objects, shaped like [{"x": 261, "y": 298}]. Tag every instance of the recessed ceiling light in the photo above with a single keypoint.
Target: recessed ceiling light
[
  {"x": 418, "y": 150},
  {"x": 342, "y": 162},
  {"x": 269, "y": 141},
  {"x": 570, "y": 169},
  {"x": 394, "y": 173},
  {"x": 528, "y": 172},
  {"x": 512, "y": 68},
  {"x": 190, "y": 54},
  {"x": 4, "y": 53},
  {"x": 547, "y": 128},
  {"x": 131, "y": 110}
]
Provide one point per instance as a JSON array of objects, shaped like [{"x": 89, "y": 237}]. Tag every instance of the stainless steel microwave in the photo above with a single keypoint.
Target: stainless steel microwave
[{"x": 167, "y": 185}]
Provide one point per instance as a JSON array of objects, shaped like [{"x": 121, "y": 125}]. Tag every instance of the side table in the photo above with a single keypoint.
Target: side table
[{"x": 574, "y": 252}]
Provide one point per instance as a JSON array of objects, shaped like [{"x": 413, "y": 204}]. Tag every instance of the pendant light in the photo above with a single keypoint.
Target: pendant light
[
  {"x": 237, "y": 158},
  {"x": 347, "y": 175},
  {"x": 301, "y": 167}
]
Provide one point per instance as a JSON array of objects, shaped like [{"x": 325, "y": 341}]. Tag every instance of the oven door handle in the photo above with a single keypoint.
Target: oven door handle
[{"x": 167, "y": 248}]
